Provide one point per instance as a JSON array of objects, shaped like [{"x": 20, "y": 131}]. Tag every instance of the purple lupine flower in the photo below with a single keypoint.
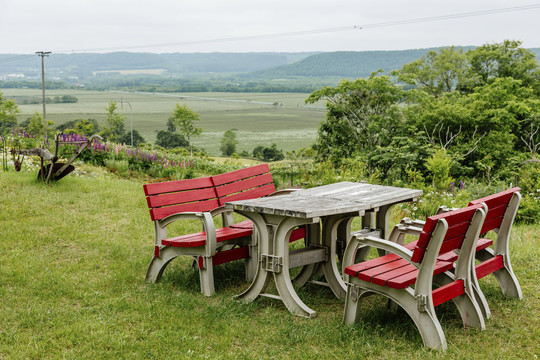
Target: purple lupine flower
[
  {"x": 461, "y": 185},
  {"x": 452, "y": 186}
]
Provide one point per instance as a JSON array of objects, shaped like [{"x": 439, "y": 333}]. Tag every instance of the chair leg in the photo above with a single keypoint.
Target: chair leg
[
  {"x": 505, "y": 276},
  {"x": 206, "y": 276},
  {"x": 426, "y": 321},
  {"x": 158, "y": 265}
]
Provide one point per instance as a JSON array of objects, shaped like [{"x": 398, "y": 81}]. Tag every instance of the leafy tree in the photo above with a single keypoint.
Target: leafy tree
[
  {"x": 87, "y": 127},
  {"x": 436, "y": 72},
  {"x": 125, "y": 138},
  {"x": 184, "y": 119},
  {"x": 36, "y": 125},
  {"x": 500, "y": 60},
  {"x": 369, "y": 107},
  {"x": 228, "y": 143},
  {"x": 114, "y": 122},
  {"x": 271, "y": 153},
  {"x": 8, "y": 114},
  {"x": 170, "y": 140}
]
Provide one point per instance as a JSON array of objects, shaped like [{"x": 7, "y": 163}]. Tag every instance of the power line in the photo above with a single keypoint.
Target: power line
[
  {"x": 320, "y": 31},
  {"x": 14, "y": 58}
]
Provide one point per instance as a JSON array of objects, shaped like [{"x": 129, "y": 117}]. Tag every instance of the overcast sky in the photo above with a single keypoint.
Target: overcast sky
[{"x": 161, "y": 26}]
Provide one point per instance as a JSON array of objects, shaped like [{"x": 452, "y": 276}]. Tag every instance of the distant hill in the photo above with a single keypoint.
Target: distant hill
[
  {"x": 81, "y": 65},
  {"x": 248, "y": 66},
  {"x": 344, "y": 64}
]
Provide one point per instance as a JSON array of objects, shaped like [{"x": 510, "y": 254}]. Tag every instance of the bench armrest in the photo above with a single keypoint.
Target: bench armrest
[
  {"x": 204, "y": 217},
  {"x": 282, "y": 192}
]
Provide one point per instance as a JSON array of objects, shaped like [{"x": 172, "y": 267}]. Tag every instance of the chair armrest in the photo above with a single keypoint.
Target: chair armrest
[
  {"x": 404, "y": 228},
  {"x": 357, "y": 241}
]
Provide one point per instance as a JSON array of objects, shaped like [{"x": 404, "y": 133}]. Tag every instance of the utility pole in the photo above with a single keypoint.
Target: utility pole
[
  {"x": 122, "y": 101},
  {"x": 43, "y": 54}
]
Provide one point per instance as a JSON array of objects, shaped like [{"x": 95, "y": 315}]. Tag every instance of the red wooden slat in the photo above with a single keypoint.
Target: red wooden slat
[
  {"x": 199, "y": 239},
  {"x": 368, "y": 274},
  {"x": 250, "y": 194},
  {"x": 180, "y": 197},
  {"x": 382, "y": 279},
  {"x": 498, "y": 198},
  {"x": 177, "y": 185},
  {"x": 457, "y": 230},
  {"x": 448, "y": 292},
  {"x": 409, "y": 278},
  {"x": 298, "y": 234},
  {"x": 489, "y": 266},
  {"x": 240, "y": 174},
  {"x": 418, "y": 254},
  {"x": 452, "y": 244},
  {"x": 227, "y": 233},
  {"x": 354, "y": 269},
  {"x": 246, "y": 224},
  {"x": 496, "y": 211},
  {"x": 491, "y": 224},
  {"x": 244, "y": 184},
  {"x": 423, "y": 240},
  {"x": 162, "y": 212},
  {"x": 190, "y": 240},
  {"x": 483, "y": 243},
  {"x": 223, "y": 257}
]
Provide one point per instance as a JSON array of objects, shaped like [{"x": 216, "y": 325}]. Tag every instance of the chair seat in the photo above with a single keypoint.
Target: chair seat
[
  {"x": 199, "y": 239},
  {"x": 391, "y": 271}
]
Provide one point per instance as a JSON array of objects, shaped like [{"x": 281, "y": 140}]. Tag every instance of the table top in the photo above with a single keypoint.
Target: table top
[{"x": 326, "y": 200}]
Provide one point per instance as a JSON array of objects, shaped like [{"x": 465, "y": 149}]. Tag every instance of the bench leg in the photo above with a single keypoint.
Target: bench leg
[
  {"x": 206, "y": 276},
  {"x": 158, "y": 264},
  {"x": 505, "y": 276}
]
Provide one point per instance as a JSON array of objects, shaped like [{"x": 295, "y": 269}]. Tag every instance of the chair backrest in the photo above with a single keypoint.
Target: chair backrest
[
  {"x": 243, "y": 184},
  {"x": 458, "y": 221},
  {"x": 172, "y": 197},
  {"x": 497, "y": 208}
]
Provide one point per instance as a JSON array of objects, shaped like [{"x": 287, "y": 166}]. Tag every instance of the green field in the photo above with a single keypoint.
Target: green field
[
  {"x": 73, "y": 258},
  {"x": 291, "y": 125}
]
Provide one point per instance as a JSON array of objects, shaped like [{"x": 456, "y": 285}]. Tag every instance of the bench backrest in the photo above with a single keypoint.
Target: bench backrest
[
  {"x": 172, "y": 197},
  {"x": 249, "y": 183},
  {"x": 458, "y": 221},
  {"x": 207, "y": 193},
  {"x": 497, "y": 208}
]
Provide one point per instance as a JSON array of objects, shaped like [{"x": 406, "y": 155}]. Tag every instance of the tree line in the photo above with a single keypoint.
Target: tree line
[{"x": 449, "y": 113}]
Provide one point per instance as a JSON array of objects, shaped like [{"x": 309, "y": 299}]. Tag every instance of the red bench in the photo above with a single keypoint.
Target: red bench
[
  {"x": 203, "y": 199},
  {"x": 406, "y": 275},
  {"x": 502, "y": 209}
]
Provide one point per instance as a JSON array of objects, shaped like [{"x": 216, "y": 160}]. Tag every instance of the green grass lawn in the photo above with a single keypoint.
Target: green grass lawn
[
  {"x": 291, "y": 125},
  {"x": 73, "y": 257}
]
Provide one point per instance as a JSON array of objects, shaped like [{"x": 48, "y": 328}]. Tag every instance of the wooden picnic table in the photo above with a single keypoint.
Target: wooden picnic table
[{"x": 327, "y": 212}]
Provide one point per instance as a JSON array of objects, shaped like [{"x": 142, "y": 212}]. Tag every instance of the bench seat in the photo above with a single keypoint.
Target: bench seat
[{"x": 199, "y": 239}]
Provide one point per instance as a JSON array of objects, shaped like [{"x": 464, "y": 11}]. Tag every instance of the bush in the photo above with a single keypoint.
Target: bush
[{"x": 170, "y": 140}]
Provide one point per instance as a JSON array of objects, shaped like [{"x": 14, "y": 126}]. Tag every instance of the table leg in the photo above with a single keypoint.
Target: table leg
[
  {"x": 281, "y": 275},
  {"x": 331, "y": 224},
  {"x": 264, "y": 246}
]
